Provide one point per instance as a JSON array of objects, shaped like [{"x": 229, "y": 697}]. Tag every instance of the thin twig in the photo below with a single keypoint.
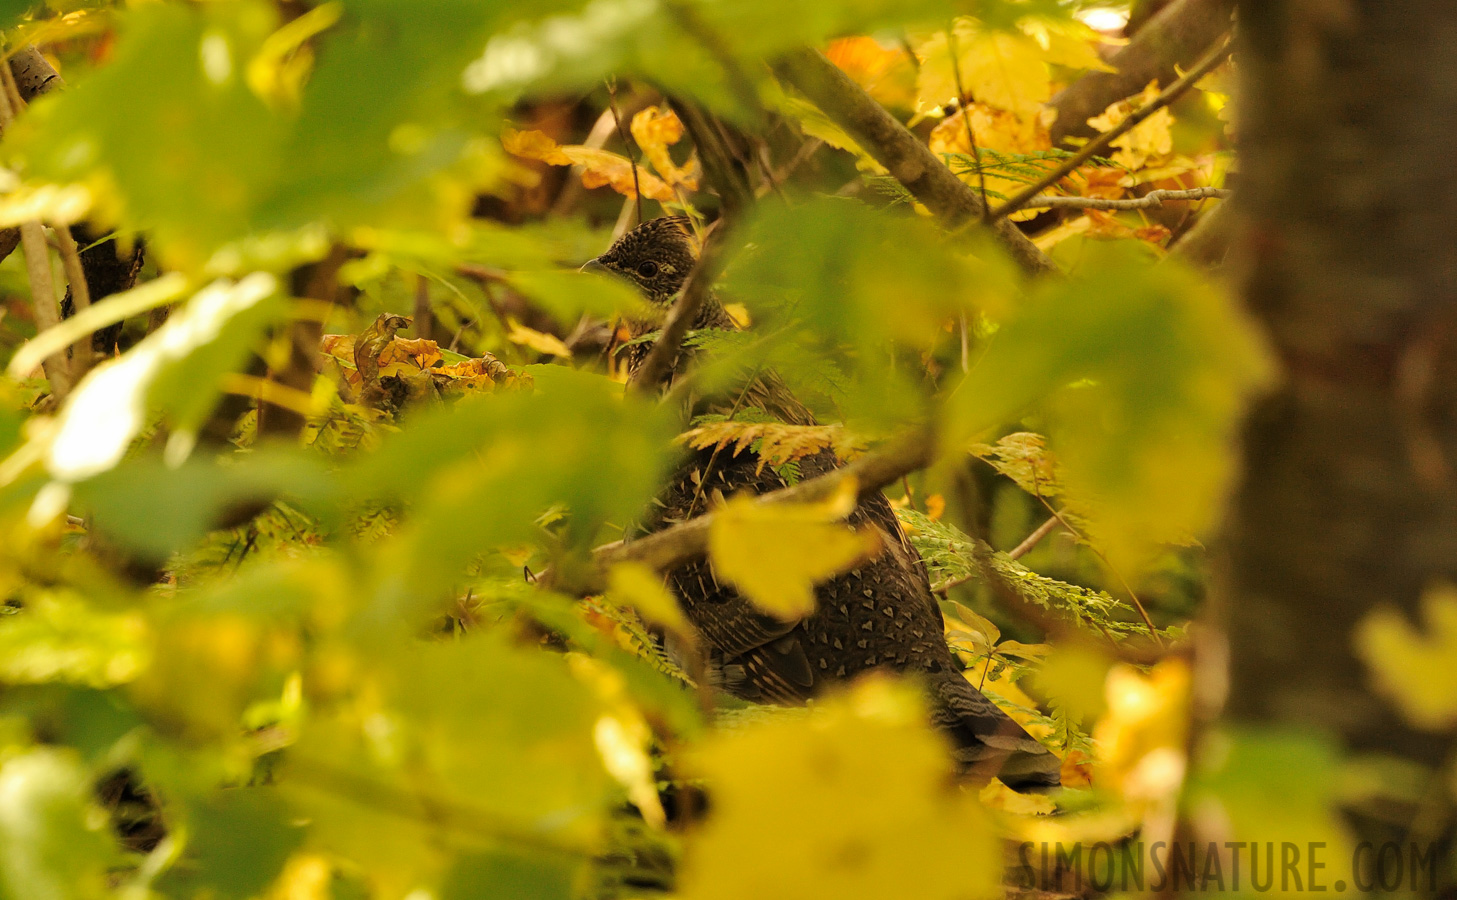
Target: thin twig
[
  {"x": 626, "y": 144},
  {"x": 962, "y": 100},
  {"x": 1033, "y": 539},
  {"x": 37, "y": 258},
  {"x": 905, "y": 156},
  {"x": 424, "y": 314},
  {"x": 1137, "y": 604},
  {"x": 81, "y": 357},
  {"x": 1212, "y": 61},
  {"x": 1151, "y": 200}
]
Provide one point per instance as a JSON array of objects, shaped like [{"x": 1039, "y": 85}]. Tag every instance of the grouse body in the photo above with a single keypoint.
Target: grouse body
[{"x": 879, "y": 615}]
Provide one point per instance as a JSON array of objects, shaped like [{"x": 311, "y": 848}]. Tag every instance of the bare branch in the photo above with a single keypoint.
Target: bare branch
[
  {"x": 80, "y": 297},
  {"x": 37, "y": 260},
  {"x": 33, "y": 75},
  {"x": 1035, "y": 538},
  {"x": 1151, "y": 200},
  {"x": 1177, "y": 36},
  {"x": 1173, "y": 92},
  {"x": 907, "y": 159}
]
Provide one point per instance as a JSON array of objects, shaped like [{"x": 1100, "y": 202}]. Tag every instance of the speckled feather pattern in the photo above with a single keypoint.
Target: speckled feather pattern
[{"x": 879, "y": 615}]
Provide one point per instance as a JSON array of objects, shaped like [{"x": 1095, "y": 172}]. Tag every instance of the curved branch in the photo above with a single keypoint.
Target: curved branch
[
  {"x": 1176, "y": 36},
  {"x": 907, "y": 159}
]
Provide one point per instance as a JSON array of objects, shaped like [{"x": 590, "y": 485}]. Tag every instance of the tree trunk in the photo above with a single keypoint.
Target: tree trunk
[{"x": 1350, "y": 499}]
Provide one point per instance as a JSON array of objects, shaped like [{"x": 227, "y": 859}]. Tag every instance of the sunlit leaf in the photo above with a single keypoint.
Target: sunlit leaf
[
  {"x": 1144, "y": 371},
  {"x": 1418, "y": 670},
  {"x": 811, "y": 802},
  {"x": 53, "y": 839},
  {"x": 776, "y": 553}
]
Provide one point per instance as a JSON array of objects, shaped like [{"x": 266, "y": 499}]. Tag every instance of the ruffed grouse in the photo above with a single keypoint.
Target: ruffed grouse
[{"x": 881, "y": 614}]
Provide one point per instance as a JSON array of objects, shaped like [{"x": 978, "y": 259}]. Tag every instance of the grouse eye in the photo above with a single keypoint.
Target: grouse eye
[{"x": 647, "y": 269}]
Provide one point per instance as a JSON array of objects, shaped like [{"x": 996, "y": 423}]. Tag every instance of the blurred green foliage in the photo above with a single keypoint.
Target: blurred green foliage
[{"x": 341, "y": 662}]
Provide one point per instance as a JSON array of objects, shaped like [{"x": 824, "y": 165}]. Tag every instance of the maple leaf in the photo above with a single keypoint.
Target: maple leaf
[
  {"x": 1003, "y": 69},
  {"x": 599, "y": 167},
  {"x": 1417, "y": 670},
  {"x": 1152, "y": 139},
  {"x": 655, "y": 129},
  {"x": 776, "y": 553}
]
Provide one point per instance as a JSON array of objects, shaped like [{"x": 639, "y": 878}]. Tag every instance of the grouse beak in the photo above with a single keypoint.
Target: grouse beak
[{"x": 593, "y": 265}]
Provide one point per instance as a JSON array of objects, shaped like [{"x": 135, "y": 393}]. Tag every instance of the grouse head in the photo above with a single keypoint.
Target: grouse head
[{"x": 656, "y": 256}]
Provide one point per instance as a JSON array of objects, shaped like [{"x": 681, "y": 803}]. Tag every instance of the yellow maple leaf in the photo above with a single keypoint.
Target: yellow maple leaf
[
  {"x": 1068, "y": 42},
  {"x": 655, "y": 130},
  {"x": 637, "y": 586},
  {"x": 599, "y": 167},
  {"x": 812, "y": 802},
  {"x": 1153, "y": 138},
  {"x": 999, "y": 68},
  {"x": 1418, "y": 671},
  {"x": 776, "y": 552},
  {"x": 994, "y": 129}
]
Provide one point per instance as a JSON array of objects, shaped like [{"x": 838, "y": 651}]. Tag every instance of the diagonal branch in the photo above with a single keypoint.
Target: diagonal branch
[
  {"x": 673, "y": 546},
  {"x": 681, "y": 316},
  {"x": 1173, "y": 92},
  {"x": 1176, "y": 36},
  {"x": 907, "y": 159}
]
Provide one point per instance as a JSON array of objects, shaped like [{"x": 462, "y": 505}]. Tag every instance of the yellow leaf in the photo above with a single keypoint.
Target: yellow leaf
[
  {"x": 1143, "y": 735},
  {"x": 654, "y": 130},
  {"x": 999, "y": 68},
  {"x": 808, "y": 807},
  {"x": 537, "y": 340},
  {"x": 1418, "y": 671},
  {"x": 637, "y": 586},
  {"x": 1152, "y": 139},
  {"x": 994, "y": 129},
  {"x": 1068, "y": 42},
  {"x": 815, "y": 123},
  {"x": 599, "y": 167},
  {"x": 777, "y": 443},
  {"x": 776, "y": 552},
  {"x": 1000, "y": 797}
]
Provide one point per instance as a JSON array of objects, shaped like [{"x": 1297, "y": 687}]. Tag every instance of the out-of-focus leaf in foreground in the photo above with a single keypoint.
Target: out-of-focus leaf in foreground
[
  {"x": 1143, "y": 372},
  {"x": 1418, "y": 671},
  {"x": 812, "y": 802},
  {"x": 53, "y": 840}
]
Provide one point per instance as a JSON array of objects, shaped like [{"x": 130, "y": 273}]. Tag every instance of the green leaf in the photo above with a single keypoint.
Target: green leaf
[
  {"x": 237, "y": 842},
  {"x": 1143, "y": 372},
  {"x": 53, "y": 839},
  {"x": 157, "y": 510},
  {"x": 513, "y": 876},
  {"x": 178, "y": 369}
]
